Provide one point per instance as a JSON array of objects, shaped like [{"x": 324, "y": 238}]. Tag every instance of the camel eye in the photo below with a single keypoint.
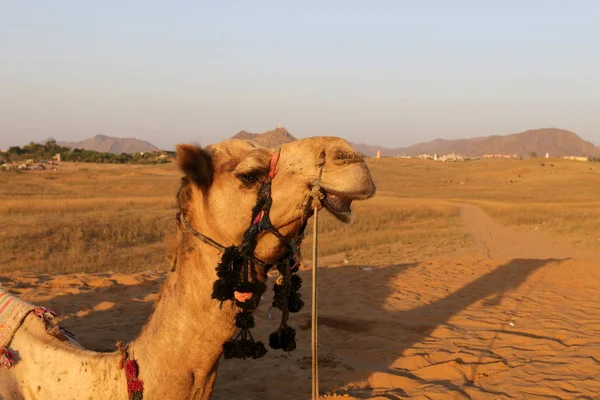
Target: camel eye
[{"x": 249, "y": 178}]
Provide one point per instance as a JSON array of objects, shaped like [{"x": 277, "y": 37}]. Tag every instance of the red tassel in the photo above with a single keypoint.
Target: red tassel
[
  {"x": 131, "y": 369},
  {"x": 135, "y": 389}
]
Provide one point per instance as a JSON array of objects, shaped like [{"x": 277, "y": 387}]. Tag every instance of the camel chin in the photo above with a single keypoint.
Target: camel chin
[{"x": 338, "y": 206}]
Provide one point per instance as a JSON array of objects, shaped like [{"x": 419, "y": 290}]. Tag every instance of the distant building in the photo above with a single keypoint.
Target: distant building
[
  {"x": 378, "y": 154},
  {"x": 500, "y": 156},
  {"x": 425, "y": 156},
  {"x": 575, "y": 158},
  {"x": 451, "y": 157}
]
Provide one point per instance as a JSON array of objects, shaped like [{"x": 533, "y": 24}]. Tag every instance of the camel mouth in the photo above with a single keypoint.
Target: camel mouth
[{"x": 339, "y": 205}]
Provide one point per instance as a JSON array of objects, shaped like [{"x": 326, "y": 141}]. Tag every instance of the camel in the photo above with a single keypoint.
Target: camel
[{"x": 179, "y": 348}]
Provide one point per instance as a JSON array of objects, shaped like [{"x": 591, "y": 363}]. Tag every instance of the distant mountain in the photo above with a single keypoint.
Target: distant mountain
[
  {"x": 269, "y": 139},
  {"x": 280, "y": 135},
  {"x": 556, "y": 142},
  {"x": 108, "y": 144}
]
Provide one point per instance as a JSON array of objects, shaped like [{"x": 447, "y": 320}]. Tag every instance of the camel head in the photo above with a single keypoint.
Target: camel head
[
  {"x": 253, "y": 204},
  {"x": 222, "y": 183}
]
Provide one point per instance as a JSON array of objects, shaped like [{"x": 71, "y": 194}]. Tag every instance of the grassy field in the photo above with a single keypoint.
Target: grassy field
[{"x": 94, "y": 218}]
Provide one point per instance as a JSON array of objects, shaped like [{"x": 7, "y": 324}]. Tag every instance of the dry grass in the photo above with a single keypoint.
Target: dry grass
[
  {"x": 559, "y": 196},
  {"x": 92, "y": 219},
  {"x": 580, "y": 220},
  {"x": 386, "y": 220},
  {"x": 116, "y": 217}
]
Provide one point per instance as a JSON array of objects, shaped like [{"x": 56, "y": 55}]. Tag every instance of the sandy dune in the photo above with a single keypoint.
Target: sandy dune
[{"x": 514, "y": 316}]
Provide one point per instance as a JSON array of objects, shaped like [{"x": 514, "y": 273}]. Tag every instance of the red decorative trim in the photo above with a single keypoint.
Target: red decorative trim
[
  {"x": 272, "y": 166},
  {"x": 135, "y": 387},
  {"x": 274, "y": 161},
  {"x": 43, "y": 312},
  {"x": 258, "y": 218},
  {"x": 242, "y": 297}
]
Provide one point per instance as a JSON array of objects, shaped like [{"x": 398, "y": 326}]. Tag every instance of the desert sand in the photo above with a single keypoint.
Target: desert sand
[{"x": 513, "y": 314}]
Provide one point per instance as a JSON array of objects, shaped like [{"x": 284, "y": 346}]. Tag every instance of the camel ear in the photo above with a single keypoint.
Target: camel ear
[{"x": 196, "y": 164}]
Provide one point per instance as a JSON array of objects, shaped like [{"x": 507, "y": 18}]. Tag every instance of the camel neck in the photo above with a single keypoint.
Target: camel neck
[{"x": 179, "y": 348}]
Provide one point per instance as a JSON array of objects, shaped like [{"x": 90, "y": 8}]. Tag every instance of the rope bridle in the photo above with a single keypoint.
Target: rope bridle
[
  {"x": 210, "y": 241},
  {"x": 261, "y": 221}
]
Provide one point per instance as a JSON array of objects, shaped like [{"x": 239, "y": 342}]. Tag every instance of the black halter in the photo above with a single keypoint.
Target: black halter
[{"x": 233, "y": 277}]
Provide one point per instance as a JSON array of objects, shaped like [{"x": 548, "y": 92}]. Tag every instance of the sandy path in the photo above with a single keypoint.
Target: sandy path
[
  {"x": 510, "y": 318},
  {"x": 497, "y": 241}
]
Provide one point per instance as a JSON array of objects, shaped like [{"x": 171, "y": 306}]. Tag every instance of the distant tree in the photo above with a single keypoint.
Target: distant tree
[
  {"x": 14, "y": 151},
  {"x": 34, "y": 150},
  {"x": 51, "y": 148}
]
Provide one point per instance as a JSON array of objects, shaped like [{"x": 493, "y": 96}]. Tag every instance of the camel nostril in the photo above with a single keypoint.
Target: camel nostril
[{"x": 347, "y": 157}]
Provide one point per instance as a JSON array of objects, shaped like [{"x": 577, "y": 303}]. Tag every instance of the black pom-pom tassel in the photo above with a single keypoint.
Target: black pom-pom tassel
[
  {"x": 295, "y": 302},
  {"x": 230, "y": 264},
  {"x": 228, "y": 272},
  {"x": 244, "y": 320},
  {"x": 244, "y": 287},
  {"x": 243, "y": 349},
  {"x": 259, "y": 350},
  {"x": 247, "y": 305},
  {"x": 283, "y": 338},
  {"x": 222, "y": 291},
  {"x": 296, "y": 283},
  {"x": 279, "y": 296},
  {"x": 229, "y": 350},
  {"x": 275, "y": 340}
]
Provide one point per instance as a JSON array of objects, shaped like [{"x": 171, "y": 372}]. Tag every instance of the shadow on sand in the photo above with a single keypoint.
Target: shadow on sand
[{"x": 360, "y": 332}]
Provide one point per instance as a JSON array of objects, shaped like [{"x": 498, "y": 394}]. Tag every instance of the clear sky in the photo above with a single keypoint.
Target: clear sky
[{"x": 392, "y": 73}]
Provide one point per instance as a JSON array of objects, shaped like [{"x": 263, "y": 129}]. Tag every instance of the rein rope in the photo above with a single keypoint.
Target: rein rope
[{"x": 316, "y": 196}]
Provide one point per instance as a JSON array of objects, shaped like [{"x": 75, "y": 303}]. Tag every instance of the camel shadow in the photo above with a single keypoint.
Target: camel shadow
[
  {"x": 389, "y": 334},
  {"x": 361, "y": 330}
]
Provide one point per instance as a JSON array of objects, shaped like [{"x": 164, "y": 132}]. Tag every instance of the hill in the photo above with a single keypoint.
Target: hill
[
  {"x": 108, "y": 144},
  {"x": 269, "y": 139},
  {"x": 556, "y": 142}
]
